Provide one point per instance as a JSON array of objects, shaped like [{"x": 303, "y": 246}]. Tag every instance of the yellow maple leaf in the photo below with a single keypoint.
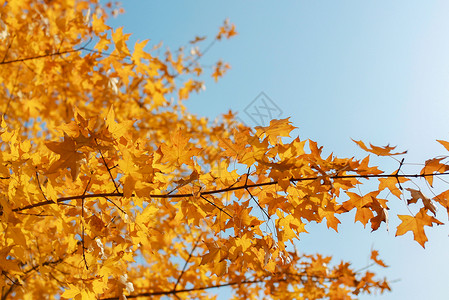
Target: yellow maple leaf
[
  {"x": 71, "y": 292},
  {"x": 276, "y": 130},
  {"x": 179, "y": 151},
  {"x": 117, "y": 130}
]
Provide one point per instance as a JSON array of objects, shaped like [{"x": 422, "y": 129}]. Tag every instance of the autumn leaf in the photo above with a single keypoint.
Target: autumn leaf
[
  {"x": 276, "y": 130},
  {"x": 390, "y": 184},
  {"x": 434, "y": 166},
  {"x": 120, "y": 41},
  {"x": 71, "y": 292},
  {"x": 416, "y": 225},
  {"x": 380, "y": 151},
  {"x": 179, "y": 151},
  {"x": 162, "y": 202},
  {"x": 375, "y": 258},
  {"x": 197, "y": 39},
  {"x": 417, "y": 195},
  {"x": 220, "y": 69},
  {"x": 69, "y": 157},
  {"x": 117, "y": 130},
  {"x": 444, "y": 143},
  {"x": 138, "y": 53},
  {"x": 363, "y": 215},
  {"x": 7, "y": 264}
]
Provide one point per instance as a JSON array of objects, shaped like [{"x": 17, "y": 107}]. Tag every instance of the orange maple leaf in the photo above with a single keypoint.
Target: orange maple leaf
[
  {"x": 69, "y": 157},
  {"x": 380, "y": 151},
  {"x": 7, "y": 264},
  {"x": 416, "y": 225},
  {"x": 434, "y": 166},
  {"x": 374, "y": 257},
  {"x": 416, "y": 195},
  {"x": 390, "y": 184}
]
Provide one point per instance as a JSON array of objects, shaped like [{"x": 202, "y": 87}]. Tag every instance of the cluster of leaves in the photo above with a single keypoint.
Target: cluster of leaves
[{"x": 109, "y": 189}]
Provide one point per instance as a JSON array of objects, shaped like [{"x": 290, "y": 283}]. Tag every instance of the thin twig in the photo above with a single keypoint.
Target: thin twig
[
  {"x": 82, "y": 224},
  {"x": 58, "y": 53},
  {"x": 187, "y": 262},
  {"x": 9, "y": 47},
  {"x": 219, "y": 208},
  {"x": 107, "y": 167},
  {"x": 258, "y": 204},
  {"x": 40, "y": 187},
  {"x": 118, "y": 207},
  {"x": 397, "y": 173}
]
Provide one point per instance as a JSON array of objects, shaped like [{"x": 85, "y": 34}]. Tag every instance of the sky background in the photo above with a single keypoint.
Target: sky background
[{"x": 371, "y": 70}]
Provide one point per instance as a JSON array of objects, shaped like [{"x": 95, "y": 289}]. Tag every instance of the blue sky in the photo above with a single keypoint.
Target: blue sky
[{"x": 371, "y": 70}]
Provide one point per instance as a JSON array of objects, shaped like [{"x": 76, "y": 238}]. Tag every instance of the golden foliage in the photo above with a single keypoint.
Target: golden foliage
[{"x": 109, "y": 189}]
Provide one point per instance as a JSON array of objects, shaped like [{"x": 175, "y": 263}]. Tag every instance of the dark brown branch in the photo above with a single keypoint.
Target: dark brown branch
[
  {"x": 286, "y": 277},
  {"x": 174, "y": 292},
  {"x": 41, "y": 56},
  {"x": 82, "y": 224},
  {"x": 397, "y": 173},
  {"x": 10, "y": 288},
  {"x": 57, "y": 53},
  {"x": 229, "y": 189}
]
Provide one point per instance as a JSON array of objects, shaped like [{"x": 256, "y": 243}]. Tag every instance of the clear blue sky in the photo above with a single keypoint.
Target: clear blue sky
[{"x": 371, "y": 70}]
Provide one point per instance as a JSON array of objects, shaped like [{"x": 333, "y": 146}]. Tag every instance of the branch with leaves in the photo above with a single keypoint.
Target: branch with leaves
[{"x": 110, "y": 188}]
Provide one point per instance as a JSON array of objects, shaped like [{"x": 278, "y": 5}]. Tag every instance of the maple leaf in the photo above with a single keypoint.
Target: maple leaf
[
  {"x": 358, "y": 201},
  {"x": 363, "y": 168},
  {"x": 331, "y": 220},
  {"x": 117, "y": 130},
  {"x": 382, "y": 216},
  {"x": 197, "y": 39},
  {"x": 276, "y": 129},
  {"x": 374, "y": 257},
  {"x": 138, "y": 53},
  {"x": 417, "y": 195},
  {"x": 444, "y": 143},
  {"x": 120, "y": 41},
  {"x": 443, "y": 200},
  {"x": 219, "y": 70},
  {"x": 363, "y": 215},
  {"x": 380, "y": 151},
  {"x": 105, "y": 116},
  {"x": 180, "y": 151},
  {"x": 71, "y": 292},
  {"x": 416, "y": 225},
  {"x": 434, "y": 166},
  {"x": 69, "y": 157},
  {"x": 390, "y": 184},
  {"x": 7, "y": 264}
]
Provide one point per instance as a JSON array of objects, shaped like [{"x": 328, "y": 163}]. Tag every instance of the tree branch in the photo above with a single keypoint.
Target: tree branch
[
  {"x": 174, "y": 292},
  {"x": 229, "y": 189},
  {"x": 82, "y": 48},
  {"x": 286, "y": 277}
]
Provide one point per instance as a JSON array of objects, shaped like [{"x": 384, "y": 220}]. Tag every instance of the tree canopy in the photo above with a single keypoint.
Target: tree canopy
[{"x": 111, "y": 189}]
